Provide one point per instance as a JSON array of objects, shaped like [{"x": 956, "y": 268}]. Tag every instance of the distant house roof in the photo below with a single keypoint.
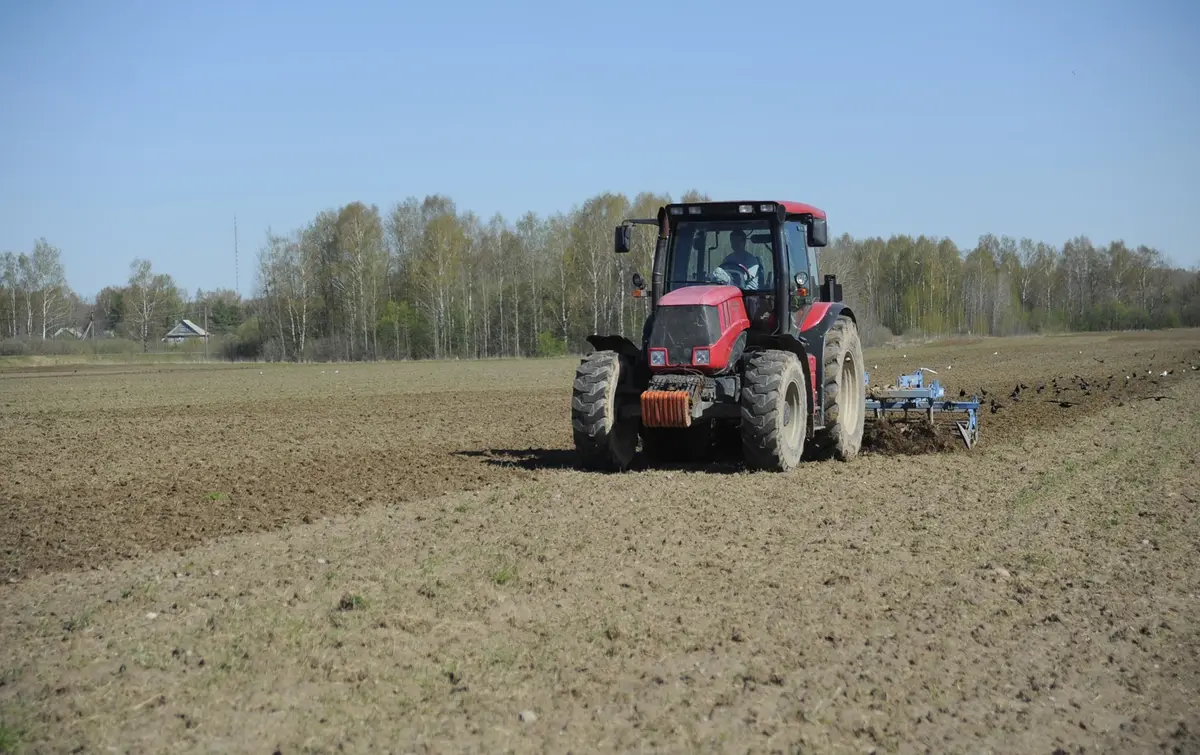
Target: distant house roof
[
  {"x": 68, "y": 332},
  {"x": 186, "y": 329}
]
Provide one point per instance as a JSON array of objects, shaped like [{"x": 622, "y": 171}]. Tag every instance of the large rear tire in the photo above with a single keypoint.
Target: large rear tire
[
  {"x": 774, "y": 411},
  {"x": 844, "y": 392},
  {"x": 603, "y": 440}
]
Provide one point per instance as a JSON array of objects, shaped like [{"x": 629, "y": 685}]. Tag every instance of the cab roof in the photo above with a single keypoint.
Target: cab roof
[
  {"x": 800, "y": 208},
  {"x": 792, "y": 208}
]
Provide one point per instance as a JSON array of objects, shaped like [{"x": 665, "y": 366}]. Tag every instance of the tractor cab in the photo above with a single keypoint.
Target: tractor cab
[{"x": 766, "y": 250}]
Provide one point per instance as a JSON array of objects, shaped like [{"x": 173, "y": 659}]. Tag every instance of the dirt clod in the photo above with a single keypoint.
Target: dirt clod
[{"x": 908, "y": 439}]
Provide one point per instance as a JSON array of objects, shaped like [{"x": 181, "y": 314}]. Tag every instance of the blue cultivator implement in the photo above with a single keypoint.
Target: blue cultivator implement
[{"x": 910, "y": 398}]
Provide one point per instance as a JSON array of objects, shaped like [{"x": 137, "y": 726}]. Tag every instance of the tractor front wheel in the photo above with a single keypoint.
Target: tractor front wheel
[
  {"x": 603, "y": 440},
  {"x": 774, "y": 411},
  {"x": 844, "y": 392}
]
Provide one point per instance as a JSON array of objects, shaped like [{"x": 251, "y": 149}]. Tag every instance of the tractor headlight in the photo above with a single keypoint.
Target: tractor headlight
[
  {"x": 701, "y": 356},
  {"x": 658, "y": 357}
]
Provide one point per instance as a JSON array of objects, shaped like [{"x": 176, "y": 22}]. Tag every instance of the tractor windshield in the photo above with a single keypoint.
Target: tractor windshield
[{"x": 737, "y": 253}]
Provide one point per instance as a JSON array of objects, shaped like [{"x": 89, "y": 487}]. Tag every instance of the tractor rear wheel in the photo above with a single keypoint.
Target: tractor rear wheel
[
  {"x": 844, "y": 392},
  {"x": 774, "y": 411},
  {"x": 678, "y": 444},
  {"x": 603, "y": 440}
]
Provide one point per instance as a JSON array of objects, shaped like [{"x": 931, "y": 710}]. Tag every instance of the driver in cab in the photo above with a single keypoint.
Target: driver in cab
[{"x": 740, "y": 261}]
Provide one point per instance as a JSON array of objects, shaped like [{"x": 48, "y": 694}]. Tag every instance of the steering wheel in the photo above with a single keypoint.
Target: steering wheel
[{"x": 740, "y": 269}]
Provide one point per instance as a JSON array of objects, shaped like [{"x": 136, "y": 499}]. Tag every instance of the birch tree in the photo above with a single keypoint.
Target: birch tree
[
  {"x": 146, "y": 297},
  {"x": 10, "y": 280}
]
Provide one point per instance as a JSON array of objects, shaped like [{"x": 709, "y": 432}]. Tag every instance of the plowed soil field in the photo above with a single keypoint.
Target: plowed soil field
[{"x": 400, "y": 557}]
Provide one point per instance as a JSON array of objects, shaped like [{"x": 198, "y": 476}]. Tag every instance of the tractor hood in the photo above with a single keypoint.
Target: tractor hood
[
  {"x": 698, "y": 328},
  {"x": 709, "y": 296}
]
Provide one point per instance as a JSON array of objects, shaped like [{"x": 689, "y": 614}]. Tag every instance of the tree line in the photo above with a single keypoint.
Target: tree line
[{"x": 425, "y": 279}]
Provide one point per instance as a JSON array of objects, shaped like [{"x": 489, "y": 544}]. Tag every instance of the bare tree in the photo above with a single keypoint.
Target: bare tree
[
  {"x": 49, "y": 282},
  {"x": 146, "y": 297},
  {"x": 11, "y": 282},
  {"x": 27, "y": 283},
  {"x": 360, "y": 240}
]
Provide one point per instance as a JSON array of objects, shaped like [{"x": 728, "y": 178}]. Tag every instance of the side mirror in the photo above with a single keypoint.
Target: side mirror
[
  {"x": 623, "y": 239},
  {"x": 818, "y": 233}
]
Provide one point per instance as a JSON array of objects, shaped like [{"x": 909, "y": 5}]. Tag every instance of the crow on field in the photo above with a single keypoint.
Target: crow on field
[
  {"x": 962, "y": 393},
  {"x": 1064, "y": 404},
  {"x": 996, "y": 406},
  {"x": 1157, "y": 398},
  {"x": 1098, "y": 359},
  {"x": 1041, "y": 388}
]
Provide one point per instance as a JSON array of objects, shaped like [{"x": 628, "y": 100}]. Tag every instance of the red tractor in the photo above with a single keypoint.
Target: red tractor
[{"x": 740, "y": 340}]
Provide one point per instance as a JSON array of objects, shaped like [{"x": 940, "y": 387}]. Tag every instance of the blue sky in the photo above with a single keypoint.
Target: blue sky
[{"x": 141, "y": 128}]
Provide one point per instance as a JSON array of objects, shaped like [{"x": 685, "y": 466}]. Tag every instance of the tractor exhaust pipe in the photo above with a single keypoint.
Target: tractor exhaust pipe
[{"x": 660, "y": 258}]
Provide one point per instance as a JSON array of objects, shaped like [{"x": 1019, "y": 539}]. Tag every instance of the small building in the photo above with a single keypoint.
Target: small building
[
  {"x": 68, "y": 333},
  {"x": 185, "y": 330}
]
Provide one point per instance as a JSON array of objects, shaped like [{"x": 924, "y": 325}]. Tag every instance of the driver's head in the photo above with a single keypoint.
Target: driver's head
[{"x": 738, "y": 240}]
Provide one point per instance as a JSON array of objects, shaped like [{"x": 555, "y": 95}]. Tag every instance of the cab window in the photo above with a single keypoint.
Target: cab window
[
  {"x": 797, "y": 252},
  {"x": 738, "y": 253}
]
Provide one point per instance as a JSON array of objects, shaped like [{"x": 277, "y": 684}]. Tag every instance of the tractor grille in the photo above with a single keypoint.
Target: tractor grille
[
  {"x": 696, "y": 386},
  {"x": 679, "y": 329}
]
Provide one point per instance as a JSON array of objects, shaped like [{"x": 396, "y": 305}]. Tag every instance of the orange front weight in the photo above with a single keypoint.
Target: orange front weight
[{"x": 666, "y": 409}]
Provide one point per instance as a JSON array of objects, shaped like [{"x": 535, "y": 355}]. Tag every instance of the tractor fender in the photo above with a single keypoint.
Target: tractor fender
[
  {"x": 812, "y": 322},
  {"x": 635, "y": 373},
  {"x": 619, "y": 344}
]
